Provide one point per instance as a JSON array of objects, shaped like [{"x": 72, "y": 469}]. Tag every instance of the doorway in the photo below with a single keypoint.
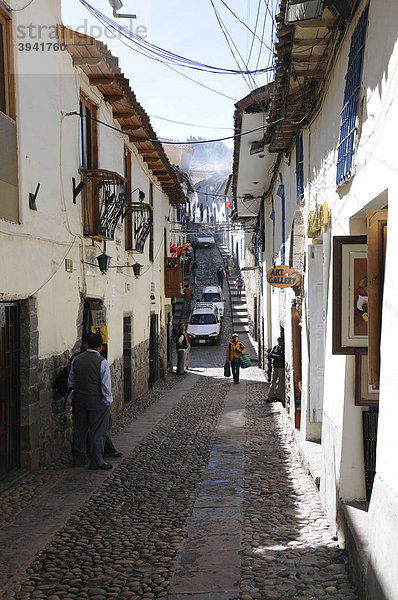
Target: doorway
[
  {"x": 10, "y": 393},
  {"x": 127, "y": 366},
  {"x": 153, "y": 350}
]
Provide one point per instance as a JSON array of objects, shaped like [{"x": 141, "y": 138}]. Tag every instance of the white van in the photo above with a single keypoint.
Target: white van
[
  {"x": 204, "y": 324},
  {"x": 205, "y": 240},
  {"x": 213, "y": 293}
]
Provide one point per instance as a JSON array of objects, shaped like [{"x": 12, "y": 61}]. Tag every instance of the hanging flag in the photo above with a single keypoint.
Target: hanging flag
[{"x": 228, "y": 204}]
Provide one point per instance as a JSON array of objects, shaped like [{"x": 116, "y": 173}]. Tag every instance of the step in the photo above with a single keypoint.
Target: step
[{"x": 241, "y": 329}]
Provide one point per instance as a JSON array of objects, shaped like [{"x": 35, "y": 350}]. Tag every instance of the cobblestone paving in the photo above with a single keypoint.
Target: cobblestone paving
[
  {"x": 288, "y": 548},
  {"x": 21, "y": 492},
  {"x": 123, "y": 542}
]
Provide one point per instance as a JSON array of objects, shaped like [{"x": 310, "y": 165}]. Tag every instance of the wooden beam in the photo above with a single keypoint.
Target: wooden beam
[
  {"x": 310, "y": 74},
  {"x": 147, "y": 153},
  {"x": 305, "y": 58},
  {"x": 101, "y": 80},
  {"x": 128, "y": 128},
  {"x": 318, "y": 42},
  {"x": 79, "y": 61},
  {"x": 123, "y": 115},
  {"x": 113, "y": 97},
  {"x": 316, "y": 24}
]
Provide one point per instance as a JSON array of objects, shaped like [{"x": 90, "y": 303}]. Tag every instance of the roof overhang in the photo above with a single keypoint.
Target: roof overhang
[
  {"x": 103, "y": 72},
  {"x": 253, "y": 164},
  {"x": 304, "y": 54}
]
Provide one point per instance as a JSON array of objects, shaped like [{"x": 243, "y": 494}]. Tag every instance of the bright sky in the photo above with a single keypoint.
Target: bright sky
[{"x": 188, "y": 28}]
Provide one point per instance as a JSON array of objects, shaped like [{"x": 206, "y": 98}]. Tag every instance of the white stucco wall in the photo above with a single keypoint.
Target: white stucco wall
[{"x": 33, "y": 251}]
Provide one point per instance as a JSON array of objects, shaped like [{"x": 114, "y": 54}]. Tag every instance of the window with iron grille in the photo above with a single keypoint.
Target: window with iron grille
[
  {"x": 299, "y": 166},
  {"x": 349, "y": 114},
  {"x": 103, "y": 200}
]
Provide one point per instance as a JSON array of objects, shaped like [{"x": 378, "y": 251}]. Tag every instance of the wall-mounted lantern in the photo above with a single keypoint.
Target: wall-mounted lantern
[
  {"x": 103, "y": 262},
  {"x": 137, "y": 269}
]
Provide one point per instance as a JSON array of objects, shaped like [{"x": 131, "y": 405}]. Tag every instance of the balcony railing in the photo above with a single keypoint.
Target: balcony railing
[
  {"x": 103, "y": 197},
  {"x": 141, "y": 223}
]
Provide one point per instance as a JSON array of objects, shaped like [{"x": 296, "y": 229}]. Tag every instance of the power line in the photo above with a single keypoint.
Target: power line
[
  {"x": 157, "y": 53},
  {"x": 190, "y": 124},
  {"x": 245, "y": 24},
  {"x": 226, "y": 34},
  {"x": 159, "y": 141},
  {"x": 23, "y": 8},
  {"x": 255, "y": 32}
]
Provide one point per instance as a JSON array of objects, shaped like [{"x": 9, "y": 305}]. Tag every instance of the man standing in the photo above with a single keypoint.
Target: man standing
[
  {"x": 90, "y": 379},
  {"x": 277, "y": 389},
  {"x": 220, "y": 276}
]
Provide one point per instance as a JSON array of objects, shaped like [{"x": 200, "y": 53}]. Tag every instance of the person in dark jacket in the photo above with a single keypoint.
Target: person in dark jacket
[
  {"x": 181, "y": 347},
  {"x": 220, "y": 276},
  {"x": 277, "y": 389},
  {"x": 90, "y": 378}
]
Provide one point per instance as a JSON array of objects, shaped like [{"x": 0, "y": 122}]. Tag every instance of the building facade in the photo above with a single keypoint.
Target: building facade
[
  {"x": 81, "y": 176},
  {"x": 325, "y": 212}
]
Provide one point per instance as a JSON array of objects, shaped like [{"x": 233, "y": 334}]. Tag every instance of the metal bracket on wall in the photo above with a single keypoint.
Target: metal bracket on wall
[
  {"x": 77, "y": 189},
  {"x": 32, "y": 198}
]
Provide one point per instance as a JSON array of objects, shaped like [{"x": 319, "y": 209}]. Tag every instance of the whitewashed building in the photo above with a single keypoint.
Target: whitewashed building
[
  {"x": 81, "y": 175},
  {"x": 331, "y": 125}
]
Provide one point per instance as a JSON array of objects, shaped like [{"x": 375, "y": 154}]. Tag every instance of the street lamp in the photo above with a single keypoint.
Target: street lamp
[
  {"x": 117, "y": 5},
  {"x": 137, "y": 269},
  {"x": 103, "y": 262}
]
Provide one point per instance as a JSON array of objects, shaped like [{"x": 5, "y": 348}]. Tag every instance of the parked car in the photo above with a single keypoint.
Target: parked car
[
  {"x": 214, "y": 294},
  {"x": 205, "y": 240},
  {"x": 204, "y": 323}
]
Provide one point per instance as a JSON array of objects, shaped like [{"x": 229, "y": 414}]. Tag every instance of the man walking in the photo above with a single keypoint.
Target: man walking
[
  {"x": 188, "y": 297},
  {"x": 90, "y": 379}
]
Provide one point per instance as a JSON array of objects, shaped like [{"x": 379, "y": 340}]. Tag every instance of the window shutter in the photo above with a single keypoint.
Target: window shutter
[{"x": 349, "y": 125}]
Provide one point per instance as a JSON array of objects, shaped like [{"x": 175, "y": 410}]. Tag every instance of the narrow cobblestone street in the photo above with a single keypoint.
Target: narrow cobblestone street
[{"x": 208, "y": 502}]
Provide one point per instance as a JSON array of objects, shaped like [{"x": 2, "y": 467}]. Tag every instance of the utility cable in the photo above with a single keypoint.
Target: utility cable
[
  {"x": 245, "y": 24},
  {"x": 158, "y": 141},
  {"x": 226, "y": 34},
  {"x": 152, "y": 51},
  {"x": 23, "y": 8},
  {"x": 255, "y": 32},
  {"x": 190, "y": 124}
]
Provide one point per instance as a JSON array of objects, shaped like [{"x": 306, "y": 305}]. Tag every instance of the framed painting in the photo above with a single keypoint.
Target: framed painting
[
  {"x": 350, "y": 295},
  {"x": 366, "y": 394}
]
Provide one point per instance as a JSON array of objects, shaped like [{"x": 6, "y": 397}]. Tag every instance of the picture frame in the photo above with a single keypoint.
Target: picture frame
[
  {"x": 350, "y": 299},
  {"x": 365, "y": 393}
]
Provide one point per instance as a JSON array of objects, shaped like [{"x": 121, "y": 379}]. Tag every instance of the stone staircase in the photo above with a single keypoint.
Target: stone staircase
[
  {"x": 239, "y": 308},
  {"x": 238, "y": 303}
]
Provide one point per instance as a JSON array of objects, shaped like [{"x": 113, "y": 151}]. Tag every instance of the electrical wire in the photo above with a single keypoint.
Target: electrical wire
[
  {"x": 23, "y": 8},
  {"x": 227, "y": 35},
  {"x": 152, "y": 51},
  {"x": 255, "y": 32},
  {"x": 190, "y": 124},
  {"x": 159, "y": 141},
  {"x": 170, "y": 67},
  {"x": 244, "y": 24}
]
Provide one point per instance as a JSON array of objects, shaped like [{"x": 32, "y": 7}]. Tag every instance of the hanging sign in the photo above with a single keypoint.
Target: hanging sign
[{"x": 282, "y": 276}]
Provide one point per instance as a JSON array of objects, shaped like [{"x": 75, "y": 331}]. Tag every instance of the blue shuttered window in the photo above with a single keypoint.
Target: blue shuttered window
[
  {"x": 299, "y": 166},
  {"x": 349, "y": 114}
]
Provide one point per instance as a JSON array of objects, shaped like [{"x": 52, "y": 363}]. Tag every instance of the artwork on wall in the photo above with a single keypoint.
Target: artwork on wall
[
  {"x": 350, "y": 297},
  {"x": 366, "y": 394}
]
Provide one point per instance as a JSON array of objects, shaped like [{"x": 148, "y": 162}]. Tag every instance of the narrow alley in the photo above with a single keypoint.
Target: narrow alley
[{"x": 209, "y": 501}]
